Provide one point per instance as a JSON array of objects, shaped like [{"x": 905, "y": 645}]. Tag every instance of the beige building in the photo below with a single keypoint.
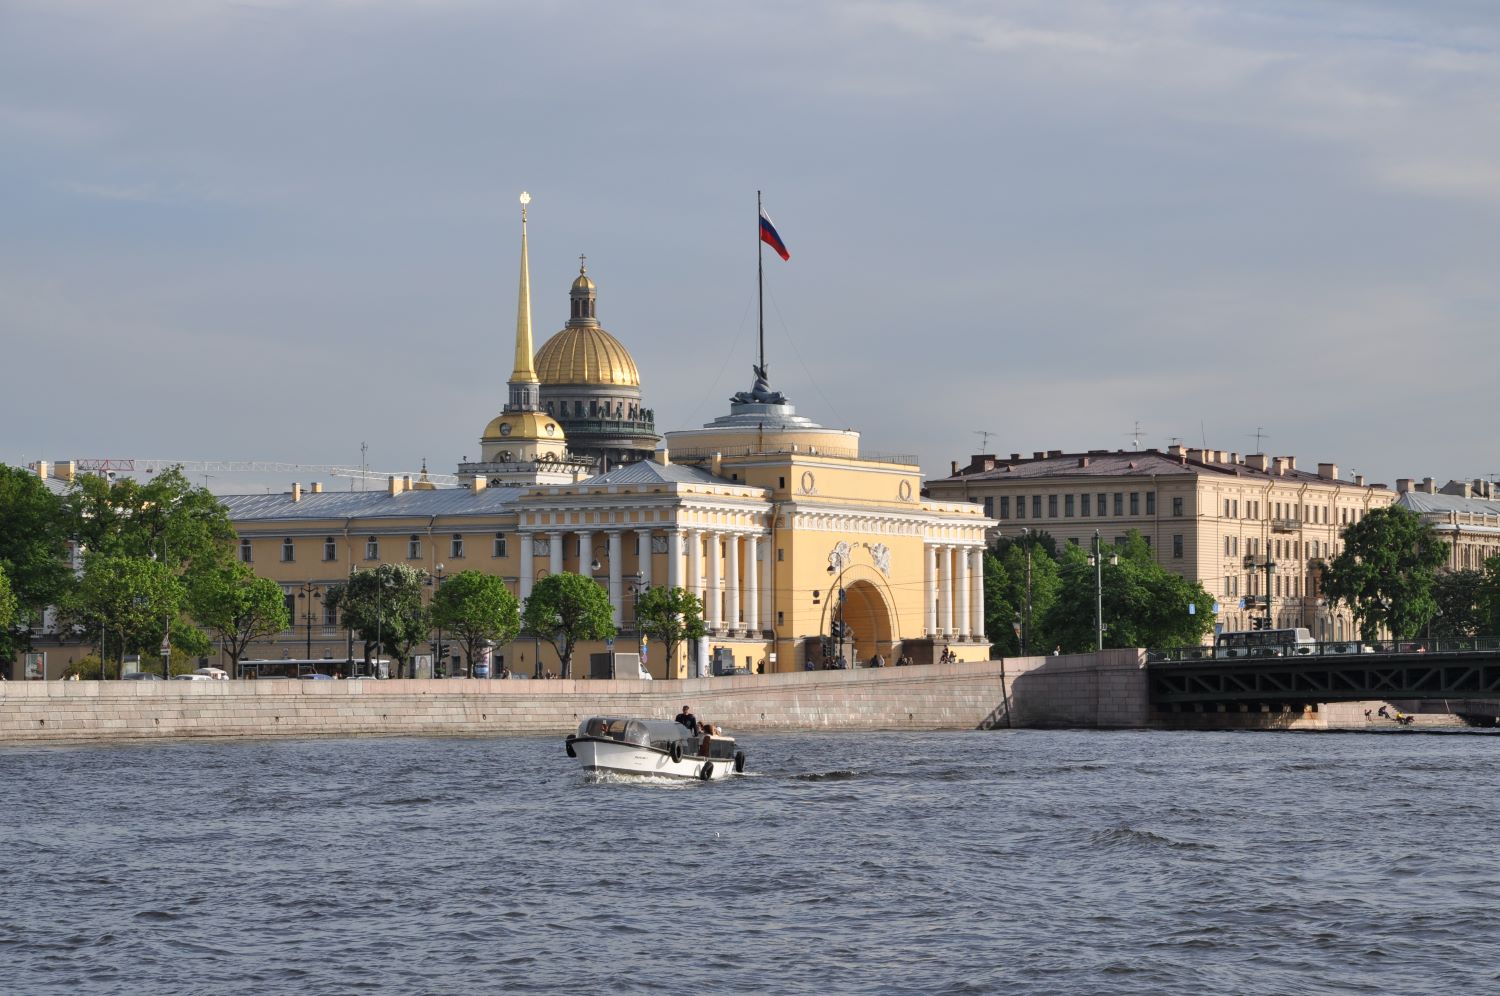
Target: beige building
[
  {"x": 1211, "y": 516},
  {"x": 1465, "y": 513},
  {"x": 781, "y": 526}
]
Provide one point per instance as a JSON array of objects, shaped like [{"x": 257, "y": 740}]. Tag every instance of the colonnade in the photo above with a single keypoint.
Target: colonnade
[
  {"x": 954, "y": 580},
  {"x": 729, "y": 571}
]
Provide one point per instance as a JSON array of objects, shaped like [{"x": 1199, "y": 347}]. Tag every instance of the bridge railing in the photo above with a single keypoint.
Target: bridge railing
[{"x": 1329, "y": 648}]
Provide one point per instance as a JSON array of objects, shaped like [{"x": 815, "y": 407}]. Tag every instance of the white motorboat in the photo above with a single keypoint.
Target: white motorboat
[{"x": 630, "y": 746}]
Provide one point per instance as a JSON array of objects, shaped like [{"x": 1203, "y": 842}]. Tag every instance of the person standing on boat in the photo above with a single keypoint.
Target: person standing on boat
[{"x": 686, "y": 718}]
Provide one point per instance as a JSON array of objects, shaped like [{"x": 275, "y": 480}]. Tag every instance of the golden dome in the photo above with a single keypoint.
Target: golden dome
[
  {"x": 586, "y": 355},
  {"x": 583, "y": 285},
  {"x": 524, "y": 426}
]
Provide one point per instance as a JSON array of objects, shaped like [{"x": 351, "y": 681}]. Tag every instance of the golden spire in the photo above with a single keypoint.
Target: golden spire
[{"x": 525, "y": 371}]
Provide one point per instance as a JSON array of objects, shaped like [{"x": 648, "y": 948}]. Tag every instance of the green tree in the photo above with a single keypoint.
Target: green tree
[
  {"x": 566, "y": 608},
  {"x": 1386, "y": 572},
  {"x": 165, "y": 518},
  {"x": 127, "y": 601},
  {"x": 1144, "y": 604},
  {"x": 476, "y": 609},
  {"x": 384, "y": 607},
  {"x": 1006, "y": 588},
  {"x": 1460, "y": 612},
  {"x": 33, "y": 552},
  {"x": 237, "y": 607},
  {"x": 670, "y": 616},
  {"x": 7, "y": 601},
  {"x": 1489, "y": 598}
]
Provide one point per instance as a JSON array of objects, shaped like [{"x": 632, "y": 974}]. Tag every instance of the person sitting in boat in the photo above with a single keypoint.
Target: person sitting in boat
[
  {"x": 686, "y": 718},
  {"x": 708, "y": 730}
]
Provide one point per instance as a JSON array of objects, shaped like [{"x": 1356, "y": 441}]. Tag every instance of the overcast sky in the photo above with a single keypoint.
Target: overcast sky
[{"x": 274, "y": 230}]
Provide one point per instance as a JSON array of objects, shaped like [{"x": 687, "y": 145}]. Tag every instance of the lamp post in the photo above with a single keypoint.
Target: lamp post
[
  {"x": 1097, "y": 561},
  {"x": 437, "y": 648},
  {"x": 837, "y": 625},
  {"x": 308, "y": 593}
]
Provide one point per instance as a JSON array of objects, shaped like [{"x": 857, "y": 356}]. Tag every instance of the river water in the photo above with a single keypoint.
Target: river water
[{"x": 1018, "y": 861}]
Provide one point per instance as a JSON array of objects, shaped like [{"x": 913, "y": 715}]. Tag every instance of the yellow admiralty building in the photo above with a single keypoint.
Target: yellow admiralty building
[{"x": 779, "y": 525}]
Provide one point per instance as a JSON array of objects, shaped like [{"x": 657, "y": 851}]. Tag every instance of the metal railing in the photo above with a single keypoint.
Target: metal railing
[
  {"x": 1329, "y": 648},
  {"x": 832, "y": 452}
]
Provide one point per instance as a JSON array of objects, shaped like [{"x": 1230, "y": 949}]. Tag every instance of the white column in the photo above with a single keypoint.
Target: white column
[
  {"x": 961, "y": 590},
  {"x": 585, "y": 553},
  {"x": 732, "y": 584},
  {"x": 557, "y": 552},
  {"x": 674, "y": 558},
  {"x": 715, "y": 571},
  {"x": 644, "y": 561},
  {"x": 752, "y": 585},
  {"x": 929, "y": 591},
  {"x": 616, "y": 578},
  {"x": 976, "y": 586},
  {"x": 945, "y": 591},
  {"x": 528, "y": 550},
  {"x": 768, "y": 588}
]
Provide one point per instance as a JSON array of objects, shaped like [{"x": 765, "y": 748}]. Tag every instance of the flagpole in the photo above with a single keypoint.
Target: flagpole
[{"x": 760, "y": 280}]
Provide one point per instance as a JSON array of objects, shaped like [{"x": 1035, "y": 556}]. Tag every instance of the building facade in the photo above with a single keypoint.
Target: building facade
[
  {"x": 1465, "y": 513},
  {"x": 797, "y": 543},
  {"x": 1210, "y": 516}
]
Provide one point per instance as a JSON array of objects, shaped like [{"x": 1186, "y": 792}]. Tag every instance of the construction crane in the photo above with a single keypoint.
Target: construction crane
[{"x": 150, "y": 465}]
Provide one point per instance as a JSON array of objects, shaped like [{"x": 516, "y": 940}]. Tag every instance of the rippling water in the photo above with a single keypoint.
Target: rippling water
[{"x": 1021, "y": 861}]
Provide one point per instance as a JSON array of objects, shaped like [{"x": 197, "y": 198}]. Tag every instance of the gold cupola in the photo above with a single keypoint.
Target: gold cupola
[{"x": 583, "y": 353}]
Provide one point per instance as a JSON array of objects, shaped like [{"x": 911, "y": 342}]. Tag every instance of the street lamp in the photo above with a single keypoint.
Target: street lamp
[
  {"x": 309, "y": 593},
  {"x": 838, "y": 625},
  {"x": 437, "y": 648},
  {"x": 1096, "y": 560}
]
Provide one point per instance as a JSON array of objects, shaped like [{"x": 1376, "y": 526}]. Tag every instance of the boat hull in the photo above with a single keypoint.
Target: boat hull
[{"x": 630, "y": 759}]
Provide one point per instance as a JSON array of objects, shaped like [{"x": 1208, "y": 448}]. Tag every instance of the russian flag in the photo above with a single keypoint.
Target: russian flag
[{"x": 769, "y": 236}]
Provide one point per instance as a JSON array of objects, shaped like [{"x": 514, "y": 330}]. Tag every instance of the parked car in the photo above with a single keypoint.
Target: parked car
[
  {"x": 314, "y": 676},
  {"x": 141, "y": 676},
  {"x": 213, "y": 673},
  {"x": 191, "y": 677}
]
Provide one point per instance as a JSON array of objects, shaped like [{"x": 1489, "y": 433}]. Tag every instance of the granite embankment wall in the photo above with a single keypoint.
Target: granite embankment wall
[{"x": 1045, "y": 691}]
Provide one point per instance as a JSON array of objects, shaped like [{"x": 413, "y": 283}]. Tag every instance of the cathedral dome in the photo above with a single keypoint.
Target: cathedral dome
[
  {"x": 523, "y": 426},
  {"x": 586, "y": 355}
]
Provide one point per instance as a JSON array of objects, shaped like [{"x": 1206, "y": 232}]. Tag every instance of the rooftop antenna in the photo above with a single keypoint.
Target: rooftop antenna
[
  {"x": 364, "y": 467},
  {"x": 1135, "y": 437},
  {"x": 984, "y": 438},
  {"x": 1260, "y": 433}
]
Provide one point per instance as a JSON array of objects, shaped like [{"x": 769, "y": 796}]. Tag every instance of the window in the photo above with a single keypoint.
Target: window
[
  {"x": 1150, "y": 502},
  {"x": 288, "y": 551},
  {"x": 1020, "y": 506},
  {"x": 330, "y": 548},
  {"x": 245, "y": 557},
  {"x": 499, "y": 549},
  {"x": 1119, "y": 503},
  {"x": 291, "y": 608},
  {"x": 1148, "y": 541},
  {"x": 1177, "y": 507},
  {"x": 414, "y": 548},
  {"x": 1036, "y": 506},
  {"x": 456, "y": 548},
  {"x": 1052, "y": 506},
  {"x": 1005, "y": 506},
  {"x": 1083, "y": 502},
  {"x": 780, "y": 556},
  {"x": 989, "y": 506},
  {"x": 1226, "y": 508},
  {"x": 1103, "y": 503},
  {"x": 372, "y": 548},
  {"x": 1236, "y": 506},
  {"x": 1068, "y": 506},
  {"x": 781, "y": 483},
  {"x": 1236, "y": 546},
  {"x": 330, "y": 615},
  {"x": 1135, "y": 503},
  {"x": 1177, "y": 546},
  {"x": 1119, "y": 542},
  {"x": 1226, "y": 546}
]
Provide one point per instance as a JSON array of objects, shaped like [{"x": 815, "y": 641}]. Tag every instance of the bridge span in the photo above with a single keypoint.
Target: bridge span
[{"x": 1192, "y": 678}]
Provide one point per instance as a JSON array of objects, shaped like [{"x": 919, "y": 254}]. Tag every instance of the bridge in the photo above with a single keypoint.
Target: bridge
[{"x": 1189, "y": 678}]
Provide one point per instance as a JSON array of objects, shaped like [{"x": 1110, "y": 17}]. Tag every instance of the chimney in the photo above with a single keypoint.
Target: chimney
[
  {"x": 296, "y": 491},
  {"x": 392, "y": 485},
  {"x": 1083, "y": 461},
  {"x": 1038, "y": 454},
  {"x": 716, "y": 465},
  {"x": 1403, "y": 485},
  {"x": 317, "y": 487},
  {"x": 1054, "y": 453},
  {"x": 1014, "y": 457},
  {"x": 1257, "y": 461},
  {"x": 480, "y": 482},
  {"x": 1359, "y": 480},
  {"x": 41, "y": 467},
  {"x": 66, "y": 470},
  {"x": 1290, "y": 462},
  {"x": 1234, "y": 458},
  {"x": 1328, "y": 471},
  {"x": 406, "y": 482},
  {"x": 1429, "y": 485},
  {"x": 1175, "y": 449},
  {"x": 664, "y": 457}
]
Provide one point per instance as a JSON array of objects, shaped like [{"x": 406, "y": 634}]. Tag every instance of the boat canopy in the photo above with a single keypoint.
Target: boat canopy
[{"x": 629, "y": 730}]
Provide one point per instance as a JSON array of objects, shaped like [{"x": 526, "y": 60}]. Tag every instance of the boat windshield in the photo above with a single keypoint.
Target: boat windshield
[{"x": 644, "y": 732}]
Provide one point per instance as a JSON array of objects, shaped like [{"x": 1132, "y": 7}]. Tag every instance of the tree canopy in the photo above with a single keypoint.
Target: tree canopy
[
  {"x": 1459, "y": 597},
  {"x": 7, "y": 601},
  {"x": 476, "y": 609},
  {"x": 237, "y": 607},
  {"x": 1386, "y": 572},
  {"x": 127, "y": 601},
  {"x": 1006, "y": 604},
  {"x": 33, "y": 552},
  {"x": 670, "y": 616},
  {"x": 383, "y": 606},
  {"x": 1144, "y": 604},
  {"x": 165, "y": 518},
  {"x": 566, "y": 608}
]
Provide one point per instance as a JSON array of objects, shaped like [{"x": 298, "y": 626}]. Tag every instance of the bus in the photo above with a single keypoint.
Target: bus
[
  {"x": 1265, "y": 643},
  {"x": 296, "y": 667}
]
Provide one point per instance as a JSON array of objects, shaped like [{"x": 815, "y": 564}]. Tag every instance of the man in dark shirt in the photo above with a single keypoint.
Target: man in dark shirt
[{"x": 686, "y": 718}]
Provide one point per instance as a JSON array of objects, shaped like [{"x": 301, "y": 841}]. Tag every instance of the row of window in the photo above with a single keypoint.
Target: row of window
[
  {"x": 456, "y": 548},
  {"x": 1076, "y": 505},
  {"x": 1291, "y": 549},
  {"x": 1314, "y": 514},
  {"x": 330, "y": 615},
  {"x": 1289, "y": 586}
]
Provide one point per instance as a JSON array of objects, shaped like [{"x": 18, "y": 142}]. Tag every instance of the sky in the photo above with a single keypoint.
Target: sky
[{"x": 276, "y": 230}]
